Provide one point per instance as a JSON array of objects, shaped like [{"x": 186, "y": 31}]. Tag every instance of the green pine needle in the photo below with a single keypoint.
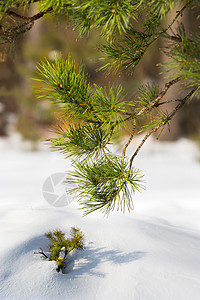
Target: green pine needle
[
  {"x": 113, "y": 17},
  {"x": 126, "y": 52},
  {"x": 79, "y": 140},
  {"x": 105, "y": 183},
  {"x": 66, "y": 84},
  {"x": 58, "y": 241},
  {"x": 147, "y": 94},
  {"x": 162, "y": 7},
  {"x": 109, "y": 107}
]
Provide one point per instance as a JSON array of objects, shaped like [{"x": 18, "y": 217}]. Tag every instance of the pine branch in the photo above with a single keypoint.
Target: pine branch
[
  {"x": 154, "y": 103},
  {"x": 104, "y": 183},
  {"x": 83, "y": 140},
  {"x": 129, "y": 49},
  {"x": 148, "y": 108},
  {"x": 25, "y": 26},
  {"x": 162, "y": 124},
  {"x": 151, "y": 105}
]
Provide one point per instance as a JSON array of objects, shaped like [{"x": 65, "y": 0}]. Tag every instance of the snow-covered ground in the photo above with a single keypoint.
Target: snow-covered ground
[{"x": 153, "y": 253}]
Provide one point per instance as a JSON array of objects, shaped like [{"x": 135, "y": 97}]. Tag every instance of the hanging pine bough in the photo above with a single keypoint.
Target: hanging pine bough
[
  {"x": 92, "y": 115},
  {"x": 104, "y": 183}
]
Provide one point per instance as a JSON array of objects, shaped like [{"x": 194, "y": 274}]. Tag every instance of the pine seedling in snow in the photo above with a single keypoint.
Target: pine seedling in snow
[{"x": 61, "y": 246}]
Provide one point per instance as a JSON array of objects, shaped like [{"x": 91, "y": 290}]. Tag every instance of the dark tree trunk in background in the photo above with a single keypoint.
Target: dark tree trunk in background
[
  {"x": 9, "y": 80},
  {"x": 187, "y": 122}
]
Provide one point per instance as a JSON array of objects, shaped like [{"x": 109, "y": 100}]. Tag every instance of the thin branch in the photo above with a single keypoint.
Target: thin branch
[
  {"x": 41, "y": 252},
  {"x": 155, "y": 102},
  {"x": 129, "y": 141},
  {"x": 178, "y": 13},
  {"x": 109, "y": 135},
  {"x": 169, "y": 101},
  {"x": 41, "y": 14},
  {"x": 27, "y": 25},
  {"x": 160, "y": 96},
  {"x": 147, "y": 108},
  {"x": 183, "y": 101},
  {"x": 13, "y": 13}
]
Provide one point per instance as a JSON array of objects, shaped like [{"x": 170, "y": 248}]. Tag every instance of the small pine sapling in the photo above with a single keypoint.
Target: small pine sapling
[{"x": 61, "y": 246}]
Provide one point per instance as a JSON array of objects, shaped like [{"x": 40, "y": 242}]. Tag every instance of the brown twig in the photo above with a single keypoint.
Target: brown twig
[
  {"x": 178, "y": 14},
  {"x": 129, "y": 141},
  {"x": 27, "y": 25},
  {"x": 183, "y": 101},
  {"x": 147, "y": 108},
  {"x": 158, "y": 98},
  {"x": 41, "y": 14},
  {"x": 13, "y": 13},
  {"x": 41, "y": 252},
  {"x": 109, "y": 135},
  {"x": 155, "y": 102},
  {"x": 169, "y": 101}
]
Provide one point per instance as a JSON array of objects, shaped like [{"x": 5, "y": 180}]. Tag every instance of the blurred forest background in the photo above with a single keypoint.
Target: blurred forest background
[{"x": 20, "y": 109}]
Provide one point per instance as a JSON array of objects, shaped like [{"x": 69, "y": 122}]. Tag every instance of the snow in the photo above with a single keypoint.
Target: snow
[{"x": 153, "y": 253}]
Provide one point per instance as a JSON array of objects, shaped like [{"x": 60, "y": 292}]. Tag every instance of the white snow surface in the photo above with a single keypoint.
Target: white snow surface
[{"x": 152, "y": 253}]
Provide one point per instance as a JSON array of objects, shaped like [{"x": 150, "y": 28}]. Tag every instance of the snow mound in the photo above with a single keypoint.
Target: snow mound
[{"x": 151, "y": 253}]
